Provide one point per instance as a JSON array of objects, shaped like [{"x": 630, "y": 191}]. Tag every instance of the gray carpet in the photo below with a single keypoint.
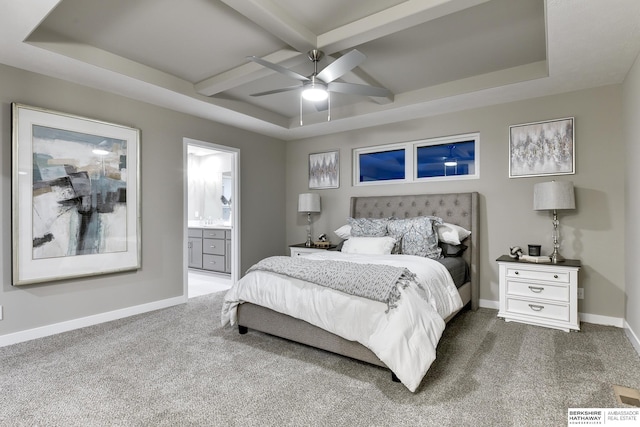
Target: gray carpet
[{"x": 177, "y": 366}]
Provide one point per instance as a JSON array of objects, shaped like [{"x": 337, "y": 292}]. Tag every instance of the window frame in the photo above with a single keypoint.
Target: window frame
[
  {"x": 448, "y": 140},
  {"x": 408, "y": 160},
  {"x": 411, "y": 159}
]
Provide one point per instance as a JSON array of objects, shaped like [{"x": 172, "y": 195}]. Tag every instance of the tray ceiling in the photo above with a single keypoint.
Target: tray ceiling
[{"x": 434, "y": 56}]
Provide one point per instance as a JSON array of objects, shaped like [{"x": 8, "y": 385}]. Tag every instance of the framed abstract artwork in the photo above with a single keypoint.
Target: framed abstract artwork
[
  {"x": 542, "y": 148},
  {"x": 324, "y": 170},
  {"x": 75, "y": 194}
]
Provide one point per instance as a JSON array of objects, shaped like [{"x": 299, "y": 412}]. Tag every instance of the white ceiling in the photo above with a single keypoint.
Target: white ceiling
[{"x": 435, "y": 56}]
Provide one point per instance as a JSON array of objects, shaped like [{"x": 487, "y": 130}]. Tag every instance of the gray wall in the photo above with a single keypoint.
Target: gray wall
[
  {"x": 593, "y": 233},
  {"x": 262, "y": 181},
  {"x": 631, "y": 97}
]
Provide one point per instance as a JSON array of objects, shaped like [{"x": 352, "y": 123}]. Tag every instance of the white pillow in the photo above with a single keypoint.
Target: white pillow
[
  {"x": 344, "y": 232},
  {"x": 369, "y": 245},
  {"x": 452, "y": 234}
]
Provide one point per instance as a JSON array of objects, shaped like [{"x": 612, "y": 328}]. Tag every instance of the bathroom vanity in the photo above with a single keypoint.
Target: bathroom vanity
[{"x": 209, "y": 248}]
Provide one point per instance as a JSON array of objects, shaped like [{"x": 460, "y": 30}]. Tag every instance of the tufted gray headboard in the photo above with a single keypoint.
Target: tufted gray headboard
[{"x": 455, "y": 208}]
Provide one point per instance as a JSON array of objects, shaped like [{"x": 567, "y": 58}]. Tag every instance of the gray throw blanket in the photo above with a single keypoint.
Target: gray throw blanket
[{"x": 373, "y": 281}]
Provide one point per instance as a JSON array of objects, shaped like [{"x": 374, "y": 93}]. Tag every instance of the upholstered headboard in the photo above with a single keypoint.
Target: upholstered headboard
[{"x": 455, "y": 208}]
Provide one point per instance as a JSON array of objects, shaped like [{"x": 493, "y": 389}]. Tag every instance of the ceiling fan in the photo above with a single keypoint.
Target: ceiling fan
[{"x": 318, "y": 85}]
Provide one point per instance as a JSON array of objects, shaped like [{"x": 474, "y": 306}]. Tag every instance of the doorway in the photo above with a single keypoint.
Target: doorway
[{"x": 211, "y": 250}]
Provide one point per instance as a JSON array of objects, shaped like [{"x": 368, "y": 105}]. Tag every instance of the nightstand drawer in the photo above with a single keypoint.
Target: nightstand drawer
[
  {"x": 538, "y": 309},
  {"x": 538, "y": 274},
  {"x": 537, "y": 290}
]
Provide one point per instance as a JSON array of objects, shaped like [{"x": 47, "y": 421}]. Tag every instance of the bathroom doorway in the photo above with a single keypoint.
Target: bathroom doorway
[{"x": 212, "y": 220}]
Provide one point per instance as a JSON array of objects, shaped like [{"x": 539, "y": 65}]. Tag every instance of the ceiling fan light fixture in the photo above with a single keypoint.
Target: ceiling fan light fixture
[{"x": 315, "y": 92}]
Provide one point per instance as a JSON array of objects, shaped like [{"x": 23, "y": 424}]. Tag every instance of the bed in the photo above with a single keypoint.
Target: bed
[{"x": 454, "y": 208}]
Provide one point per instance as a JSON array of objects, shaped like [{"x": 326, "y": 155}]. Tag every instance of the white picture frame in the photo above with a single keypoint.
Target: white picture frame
[
  {"x": 324, "y": 170},
  {"x": 75, "y": 194},
  {"x": 542, "y": 148}
]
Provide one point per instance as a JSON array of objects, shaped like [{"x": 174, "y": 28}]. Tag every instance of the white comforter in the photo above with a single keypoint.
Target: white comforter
[{"x": 405, "y": 338}]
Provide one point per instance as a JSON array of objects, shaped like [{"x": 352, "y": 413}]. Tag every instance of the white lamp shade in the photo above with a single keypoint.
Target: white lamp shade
[
  {"x": 309, "y": 202},
  {"x": 553, "y": 195}
]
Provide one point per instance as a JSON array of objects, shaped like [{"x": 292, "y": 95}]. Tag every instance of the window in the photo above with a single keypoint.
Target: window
[
  {"x": 382, "y": 166},
  {"x": 447, "y": 158}
]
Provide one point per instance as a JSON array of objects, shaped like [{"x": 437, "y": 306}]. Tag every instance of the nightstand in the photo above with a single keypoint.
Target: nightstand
[
  {"x": 301, "y": 249},
  {"x": 543, "y": 294}
]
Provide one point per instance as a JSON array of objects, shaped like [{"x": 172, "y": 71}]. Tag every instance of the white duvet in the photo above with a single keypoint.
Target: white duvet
[{"x": 405, "y": 338}]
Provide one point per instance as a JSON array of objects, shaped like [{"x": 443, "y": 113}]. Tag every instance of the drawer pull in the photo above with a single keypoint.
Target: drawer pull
[
  {"x": 517, "y": 272},
  {"x": 212, "y": 262},
  {"x": 555, "y": 276},
  {"x": 536, "y": 307},
  {"x": 212, "y": 246},
  {"x": 536, "y": 289}
]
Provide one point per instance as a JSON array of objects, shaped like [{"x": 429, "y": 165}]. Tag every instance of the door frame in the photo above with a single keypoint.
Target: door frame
[{"x": 235, "y": 212}]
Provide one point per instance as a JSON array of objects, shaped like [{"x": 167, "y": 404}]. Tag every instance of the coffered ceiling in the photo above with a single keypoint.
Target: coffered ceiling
[{"x": 434, "y": 56}]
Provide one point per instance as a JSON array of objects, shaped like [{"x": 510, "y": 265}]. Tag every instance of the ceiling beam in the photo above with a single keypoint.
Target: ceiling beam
[
  {"x": 246, "y": 73},
  {"x": 279, "y": 23},
  {"x": 276, "y": 21}
]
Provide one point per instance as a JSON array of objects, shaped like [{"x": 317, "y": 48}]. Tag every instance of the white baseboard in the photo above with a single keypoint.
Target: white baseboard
[
  {"x": 597, "y": 319},
  {"x": 633, "y": 337},
  {"x": 487, "y": 303},
  {"x": 69, "y": 325}
]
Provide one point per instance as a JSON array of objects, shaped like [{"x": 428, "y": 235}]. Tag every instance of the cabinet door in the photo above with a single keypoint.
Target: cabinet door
[
  {"x": 227, "y": 261},
  {"x": 195, "y": 252}
]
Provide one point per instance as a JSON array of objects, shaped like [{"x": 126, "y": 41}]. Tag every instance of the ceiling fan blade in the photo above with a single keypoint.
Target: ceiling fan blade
[
  {"x": 271, "y": 92},
  {"x": 321, "y": 105},
  {"x": 278, "y": 68},
  {"x": 341, "y": 66},
  {"x": 356, "y": 89}
]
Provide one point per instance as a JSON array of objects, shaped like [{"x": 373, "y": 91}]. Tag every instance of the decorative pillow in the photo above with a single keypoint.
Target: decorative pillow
[
  {"x": 449, "y": 250},
  {"x": 344, "y": 232},
  {"x": 451, "y": 233},
  {"x": 417, "y": 236},
  {"x": 368, "y": 227},
  {"x": 369, "y": 245}
]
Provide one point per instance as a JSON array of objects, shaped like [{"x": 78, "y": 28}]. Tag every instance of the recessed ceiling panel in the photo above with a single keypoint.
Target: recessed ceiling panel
[
  {"x": 326, "y": 15},
  {"x": 190, "y": 39},
  {"x": 493, "y": 36}
]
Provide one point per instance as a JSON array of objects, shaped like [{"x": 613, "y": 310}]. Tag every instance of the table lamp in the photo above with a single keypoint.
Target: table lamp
[
  {"x": 309, "y": 203},
  {"x": 553, "y": 196}
]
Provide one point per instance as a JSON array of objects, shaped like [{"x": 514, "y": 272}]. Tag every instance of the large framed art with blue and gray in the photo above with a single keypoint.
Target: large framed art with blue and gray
[
  {"x": 76, "y": 196},
  {"x": 434, "y": 159}
]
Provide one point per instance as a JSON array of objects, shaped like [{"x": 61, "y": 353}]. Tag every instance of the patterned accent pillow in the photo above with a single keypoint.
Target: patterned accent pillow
[
  {"x": 368, "y": 227},
  {"x": 417, "y": 236}
]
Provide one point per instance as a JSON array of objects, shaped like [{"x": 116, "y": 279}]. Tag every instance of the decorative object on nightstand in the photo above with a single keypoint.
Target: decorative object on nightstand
[
  {"x": 543, "y": 294},
  {"x": 554, "y": 195},
  {"x": 309, "y": 203}
]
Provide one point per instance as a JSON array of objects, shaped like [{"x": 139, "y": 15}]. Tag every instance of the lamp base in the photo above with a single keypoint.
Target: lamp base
[{"x": 556, "y": 257}]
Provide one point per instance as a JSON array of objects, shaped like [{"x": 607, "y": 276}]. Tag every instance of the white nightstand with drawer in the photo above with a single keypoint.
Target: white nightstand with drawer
[
  {"x": 543, "y": 294},
  {"x": 301, "y": 249}
]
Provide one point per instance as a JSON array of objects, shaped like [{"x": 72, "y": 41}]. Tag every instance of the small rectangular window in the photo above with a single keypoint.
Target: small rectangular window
[
  {"x": 436, "y": 159},
  {"x": 449, "y": 159},
  {"x": 384, "y": 165}
]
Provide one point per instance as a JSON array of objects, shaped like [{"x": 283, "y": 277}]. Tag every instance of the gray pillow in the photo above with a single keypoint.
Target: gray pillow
[
  {"x": 368, "y": 227},
  {"x": 416, "y": 236}
]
